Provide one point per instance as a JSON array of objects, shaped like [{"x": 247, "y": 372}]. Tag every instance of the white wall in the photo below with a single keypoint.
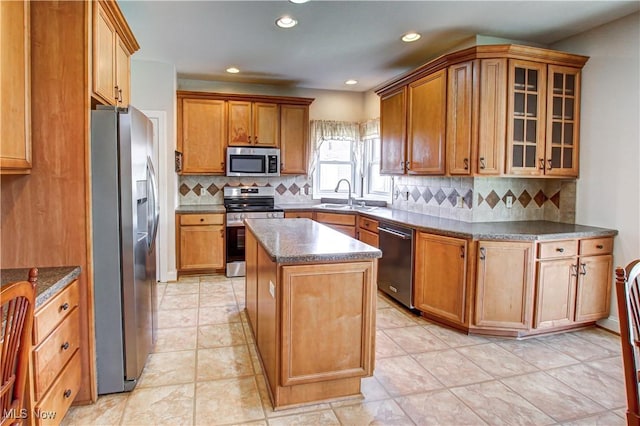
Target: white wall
[
  {"x": 153, "y": 87},
  {"x": 608, "y": 191},
  {"x": 328, "y": 104}
]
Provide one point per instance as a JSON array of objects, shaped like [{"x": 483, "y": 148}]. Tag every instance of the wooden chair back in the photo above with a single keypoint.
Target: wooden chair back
[
  {"x": 18, "y": 302},
  {"x": 628, "y": 292}
]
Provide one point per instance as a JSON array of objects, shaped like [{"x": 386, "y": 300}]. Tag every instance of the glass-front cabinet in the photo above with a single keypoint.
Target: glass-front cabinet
[{"x": 563, "y": 101}]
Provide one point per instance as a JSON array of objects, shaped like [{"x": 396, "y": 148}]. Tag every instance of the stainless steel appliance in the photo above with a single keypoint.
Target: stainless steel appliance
[
  {"x": 245, "y": 202},
  {"x": 396, "y": 265},
  {"x": 253, "y": 161},
  {"x": 125, "y": 222}
]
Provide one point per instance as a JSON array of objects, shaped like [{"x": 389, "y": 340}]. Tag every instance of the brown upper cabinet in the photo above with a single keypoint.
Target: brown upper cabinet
[
  {"x": 113, "y": 45},
  {"x": 253, "y": 124},
  {"x": 502, "y": 110},
  {"x": 209, "y": 122},
  {"x": 15, "y": 94}
]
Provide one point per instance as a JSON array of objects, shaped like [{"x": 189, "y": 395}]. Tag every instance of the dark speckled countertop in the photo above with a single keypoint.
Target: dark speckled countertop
[
  {"x": 201, "y": 208},
  {"x": 50, "y": 279},
  {"x": 303, "y": 240}
]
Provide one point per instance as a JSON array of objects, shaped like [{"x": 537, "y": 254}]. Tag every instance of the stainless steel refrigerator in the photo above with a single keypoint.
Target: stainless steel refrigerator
[{"x": 125, "y": 222}]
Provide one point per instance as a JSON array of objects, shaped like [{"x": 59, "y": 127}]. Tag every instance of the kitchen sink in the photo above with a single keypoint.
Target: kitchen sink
[{"x": 331, "y": 206}]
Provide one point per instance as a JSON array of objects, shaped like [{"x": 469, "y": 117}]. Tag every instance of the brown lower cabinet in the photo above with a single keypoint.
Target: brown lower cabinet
[
  {"x": 200, "y": 242},
  {"x": 342, "y": 222},
  {"x": 368, "y": 231}
]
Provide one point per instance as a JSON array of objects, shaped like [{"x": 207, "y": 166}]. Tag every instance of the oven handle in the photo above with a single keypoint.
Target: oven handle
[
  {"x": 235, "y": 225},
  {"x": 395, "y": 233}
]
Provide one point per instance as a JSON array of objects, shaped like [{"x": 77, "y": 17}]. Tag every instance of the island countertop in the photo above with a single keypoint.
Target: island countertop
[
  {"x": 51, "y": 280},
  {"x": 304, "y": 241}
]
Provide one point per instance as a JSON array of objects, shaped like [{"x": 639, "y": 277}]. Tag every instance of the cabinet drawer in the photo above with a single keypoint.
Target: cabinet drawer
[
  {"x": 336, "y": 218},
  {"x": 49, "y": 316},
  {"x": 368, "y": 224},
  {"x": 551, "y": 249},
  {"x": 201, "y": 219},
  {"x": 51, "y": 355},
  {"x": 345, "y": 229},
  {"x": 298, "y": 215},
  {"x": 596, "y": 246},
  {"x": 53, "y": 407},
  {"x": 369, "y": 238}
]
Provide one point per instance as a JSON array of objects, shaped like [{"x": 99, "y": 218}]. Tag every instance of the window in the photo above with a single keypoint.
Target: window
[
  {"x": 335, "y": 162},
  {"x": 374, "y": 184}
]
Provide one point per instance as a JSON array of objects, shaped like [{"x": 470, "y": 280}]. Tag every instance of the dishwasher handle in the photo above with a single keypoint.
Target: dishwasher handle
[{"x": 395, "y": 233}]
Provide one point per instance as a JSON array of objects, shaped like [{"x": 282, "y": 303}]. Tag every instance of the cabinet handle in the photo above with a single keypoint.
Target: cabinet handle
[
  {"x": 249, "y": 139},
  {"x": 115, "y": 91},
  {"x": 466, "y": 163},
  {"x": 65, "y": 346},
  {"x": 583, "y": 269},
  {"x": 202, "y": 219},
  {"x": 549, "y": 165},
  {"x": 407, "y": 164},
  {"x": 67, "y": 393},
  {"x": 560, "y": 250},
  {"x": 255, "y": 140},
  {"x": 541, "y": 160},
  {"x": 482, "y": 163},
  {"x": 599, "y": 246},
  {"x": 483, "y": 253},
  {"x": 462, "y": 252},
  {"x": 574, "y": 270},
  {"x": 64, "y": 306}
]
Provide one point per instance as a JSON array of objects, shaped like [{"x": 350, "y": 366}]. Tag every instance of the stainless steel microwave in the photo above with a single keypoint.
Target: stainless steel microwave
[{"x": 253, "y": 161}]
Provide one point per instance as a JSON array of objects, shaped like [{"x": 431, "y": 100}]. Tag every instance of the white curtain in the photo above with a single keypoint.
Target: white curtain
[
  {"x": 324, "y": 130},
  {"x": 369, "y": 129}
]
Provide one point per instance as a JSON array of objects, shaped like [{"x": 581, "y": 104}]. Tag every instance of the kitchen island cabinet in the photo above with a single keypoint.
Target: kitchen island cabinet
[{"x": 311, "y": 299}]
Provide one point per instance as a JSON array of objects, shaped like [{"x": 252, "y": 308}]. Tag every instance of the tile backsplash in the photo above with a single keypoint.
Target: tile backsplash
[{"x": 480, "y": 199}]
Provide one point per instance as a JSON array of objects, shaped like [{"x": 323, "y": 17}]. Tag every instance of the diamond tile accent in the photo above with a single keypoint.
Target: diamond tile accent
[
  {"x": 294, "y": 188},
  {"x": 508, "y": 194},
  {"x": 453, "y": 198},
  {"x": 213, "y": 190},
  {"x": 281, "y": 189},
  {"x": 197, "y": 189},
  {"x": 555, "y": 199},
  {"x": 415, "y": 193},
  {"x": 524, "y": 198},
  {"x": 184, "y": 189},
  {"x": 540, "y": 198},
  {"x": 480, "y": 199},
  {"x": 468, "y": 199},
  {"x": 440, "y": 196},
  {"x": 492, "y": 199},
  {"x": 268, "y": 184},
  {"x": 427, "y": 195}
]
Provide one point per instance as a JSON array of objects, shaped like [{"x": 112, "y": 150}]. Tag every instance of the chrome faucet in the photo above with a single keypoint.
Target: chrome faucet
[{"x": 349, "y": 200}]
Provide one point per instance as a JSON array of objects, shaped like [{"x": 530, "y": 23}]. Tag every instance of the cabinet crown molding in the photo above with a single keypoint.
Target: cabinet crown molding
[
  {"x": 509, "y": 51},
  {"x": 243, "y": 97},
  {"x": 112, "y": 9}
]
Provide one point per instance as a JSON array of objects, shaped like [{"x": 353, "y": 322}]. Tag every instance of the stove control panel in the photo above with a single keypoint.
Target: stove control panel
[{"x": 236, "y": 219}]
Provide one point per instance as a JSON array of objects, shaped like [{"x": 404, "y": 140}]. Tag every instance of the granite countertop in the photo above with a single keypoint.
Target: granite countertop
[
  {"x": 531, "y": 230},
  {"x": 201, "y": 208},
  {"x": 303, "y": 240},
  {"x": 51, "y": 280}
]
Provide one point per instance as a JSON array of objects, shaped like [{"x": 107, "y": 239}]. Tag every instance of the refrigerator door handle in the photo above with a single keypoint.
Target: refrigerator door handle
[{"x": 154, "y": 208}]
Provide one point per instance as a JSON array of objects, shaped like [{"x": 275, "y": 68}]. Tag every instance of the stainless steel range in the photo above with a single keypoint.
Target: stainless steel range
[{"x": 245, "y": 202}]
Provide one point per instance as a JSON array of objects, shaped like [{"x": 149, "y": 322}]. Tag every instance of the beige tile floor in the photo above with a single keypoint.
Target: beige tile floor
[{"x": 205, "y": 371}]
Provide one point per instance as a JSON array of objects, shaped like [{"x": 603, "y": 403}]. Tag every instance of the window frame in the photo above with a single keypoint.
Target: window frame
[
  {"x": 317, "y": 193},
  {"x": 368, "y": 165}
]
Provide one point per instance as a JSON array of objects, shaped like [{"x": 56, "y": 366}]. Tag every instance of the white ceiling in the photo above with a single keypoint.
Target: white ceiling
[{"x": 339, "y": 40}]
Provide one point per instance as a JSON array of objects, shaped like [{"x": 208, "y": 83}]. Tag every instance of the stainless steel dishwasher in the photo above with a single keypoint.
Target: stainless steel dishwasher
[{"x": 395, "y": 268}]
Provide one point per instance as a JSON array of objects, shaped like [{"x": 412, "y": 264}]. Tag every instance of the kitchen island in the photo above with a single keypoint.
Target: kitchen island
[{"x": 311, "y": 300}]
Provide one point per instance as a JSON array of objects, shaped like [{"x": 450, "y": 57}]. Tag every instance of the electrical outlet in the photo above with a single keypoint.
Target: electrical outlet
[
  {"x": 509, "y": 201},
  {"x": 459, "y": 202}
]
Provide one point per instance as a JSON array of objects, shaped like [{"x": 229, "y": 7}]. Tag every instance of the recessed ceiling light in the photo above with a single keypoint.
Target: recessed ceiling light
[
  {"x": 351, "y": 82},
  {"x": 298, "y": 1},
  {"x": 233, "y": 70},
  {"x": 409, "y": 37},
  {"x": 286, "y": 22}
]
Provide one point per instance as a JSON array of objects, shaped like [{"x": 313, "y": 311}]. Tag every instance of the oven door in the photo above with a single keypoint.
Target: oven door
[{"x": 235, "y": 251}]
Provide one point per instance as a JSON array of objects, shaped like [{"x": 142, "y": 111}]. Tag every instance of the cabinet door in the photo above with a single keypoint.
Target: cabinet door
[
  {"x": 594, "y": 287},
  {"x": 525, "y": 128},
  {"x": 15, "y": 87},
  {"x": 393, "y": 132},
  {"x": 460, "y": 119},
  {"x": 240, "y": 123},
  {"x": 440, "y": 276},
  {"x": 201, "y": 247},
  {"x": 201, "y": 135},
  {"x": 266, "y": 125},
  {"x": 104, "y": 67},
  {"x": 563, "y": 111},
  {"x": 251, "y": 280},
  {"x": 555, "y": 293},
  {"x": 503, "y": 292},
  {"x": 492, "y": 116},
  {"x": 427, "y": 124},
  {"x": 123, "y": 73},
  {"x": 369, "y": 237},
  {"x": 294, "y": 139}
]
